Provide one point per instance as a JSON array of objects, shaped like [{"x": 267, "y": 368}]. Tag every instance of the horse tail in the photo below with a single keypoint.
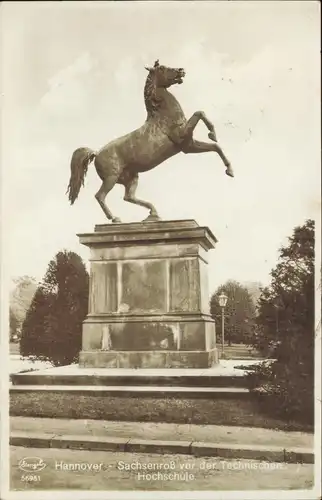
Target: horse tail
[{"x": 81, "y": 158}]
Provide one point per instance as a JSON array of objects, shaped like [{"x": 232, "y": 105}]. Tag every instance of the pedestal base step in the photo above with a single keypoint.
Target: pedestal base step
[
  {"x": 224, "y": 374},
  {"x": 136, "y": 379},
  {"x": 136, "y": 391},
  {"x": 148, "y": 359}
]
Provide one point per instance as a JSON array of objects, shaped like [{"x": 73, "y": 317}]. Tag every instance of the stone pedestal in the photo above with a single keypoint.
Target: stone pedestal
[{"x": 148, "y": 301}]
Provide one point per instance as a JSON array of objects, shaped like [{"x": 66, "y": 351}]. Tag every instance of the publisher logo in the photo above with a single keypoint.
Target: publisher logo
[{"x": 31, "y": 464}]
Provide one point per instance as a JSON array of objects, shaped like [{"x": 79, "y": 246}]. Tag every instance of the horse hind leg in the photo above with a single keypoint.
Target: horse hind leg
[
  {"x": 130, "y": 190},
  {"x": 101, "y": 194}
]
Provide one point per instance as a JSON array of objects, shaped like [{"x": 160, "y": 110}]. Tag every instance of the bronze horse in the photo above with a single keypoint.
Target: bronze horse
[{"x": 165, "y": 133}]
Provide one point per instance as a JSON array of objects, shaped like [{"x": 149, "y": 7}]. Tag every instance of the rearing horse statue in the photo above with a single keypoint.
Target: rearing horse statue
[{"x": 165, "y": 133}]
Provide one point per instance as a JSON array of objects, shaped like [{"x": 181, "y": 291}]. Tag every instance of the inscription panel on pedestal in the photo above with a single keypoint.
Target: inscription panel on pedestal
[
  {"x": 144, "y": 286},
  {"x": 143, "y": 336},
  {"x": 204, "y": 288},
  {"x": 184, "y": 285},
  {"x": 103, "y": 288}
]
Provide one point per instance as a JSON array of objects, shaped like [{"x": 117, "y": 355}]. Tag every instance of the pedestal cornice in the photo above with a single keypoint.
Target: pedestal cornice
[{"x": 146, "y": 233}]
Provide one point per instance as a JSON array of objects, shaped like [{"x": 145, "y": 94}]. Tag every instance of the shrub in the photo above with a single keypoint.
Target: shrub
[{"x": 286, "y": 331}]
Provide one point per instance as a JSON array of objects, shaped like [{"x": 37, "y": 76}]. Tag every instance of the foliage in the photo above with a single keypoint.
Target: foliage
[
  {"x": 53, "y": 325},
  {"x": 239, "y": 313},
  {"x": 254, "y": 289},
  {"x": 20, "y": 300},
  {"x": 13, "y": 325},
  {"x": 286, "y": 329}
]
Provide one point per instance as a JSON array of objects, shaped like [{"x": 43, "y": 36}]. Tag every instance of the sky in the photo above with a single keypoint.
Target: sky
[{"x": 73, "y": 75}]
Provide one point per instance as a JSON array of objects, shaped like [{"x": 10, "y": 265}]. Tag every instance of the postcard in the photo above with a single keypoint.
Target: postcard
[{"x": 161, "y": 250}]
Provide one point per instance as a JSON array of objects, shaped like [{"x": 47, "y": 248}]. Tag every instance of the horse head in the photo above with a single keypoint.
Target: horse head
[{"x": 164, "y": 76}]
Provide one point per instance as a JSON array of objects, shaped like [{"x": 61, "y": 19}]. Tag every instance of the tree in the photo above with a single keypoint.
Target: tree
[
  {"x": 13, "y": 325},
  {"x": 21, "y": 298},
  {"x": 53, "y": 327},
  {"x": 239, "y": 312},
  {"x": 255, "y": 289},
  {"x": 286, "y": 306},
  {"x": 34, "y": 334},
  {"x": 286, "y": 327}
]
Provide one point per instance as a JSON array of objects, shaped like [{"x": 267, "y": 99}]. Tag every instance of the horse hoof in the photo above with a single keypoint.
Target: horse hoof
[
  {"x": 212, "y": 136},
  {"x": 229, "y": 171},
  {"x": 151, "y": 218},
  {"x": 116, "y": 220}
]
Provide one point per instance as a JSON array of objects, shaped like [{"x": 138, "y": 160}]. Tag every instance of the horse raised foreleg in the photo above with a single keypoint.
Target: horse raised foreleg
[
  {"x": 193, "y": 122},
  {"x": 204, "y": 147},
  {"x": 106, "y": 187},
  {"x": 130, "y": 190}
]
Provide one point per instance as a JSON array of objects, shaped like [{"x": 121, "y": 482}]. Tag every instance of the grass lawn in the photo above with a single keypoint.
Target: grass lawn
[
  {"x": 196, "y": 411},
  {"x": 206, "y": 473}
]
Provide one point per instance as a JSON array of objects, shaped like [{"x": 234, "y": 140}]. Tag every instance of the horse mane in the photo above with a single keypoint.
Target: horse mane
[{"x": 152, "y": 102}]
